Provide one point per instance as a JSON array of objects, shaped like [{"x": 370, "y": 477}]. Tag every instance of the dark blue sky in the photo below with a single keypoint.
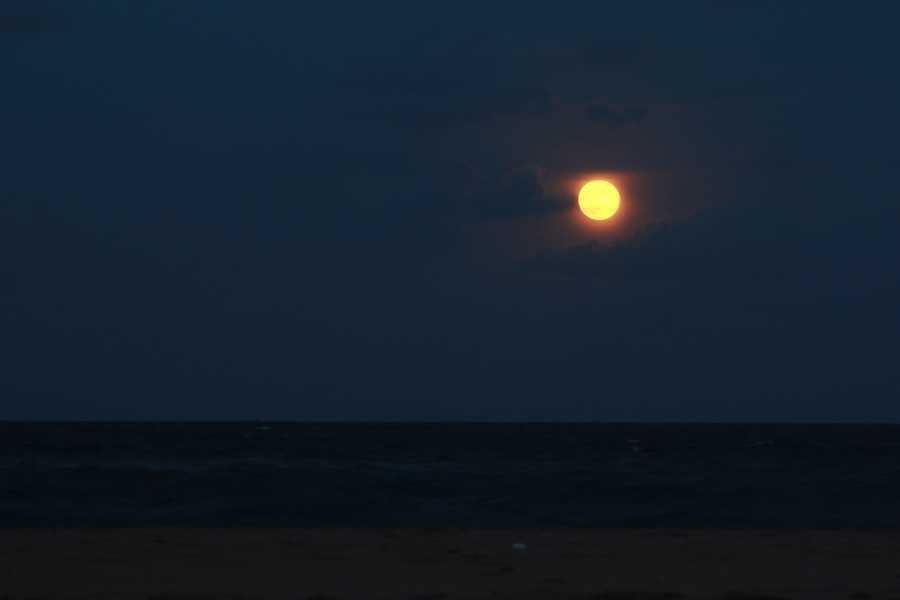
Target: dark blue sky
[{"x": 223, "y": 209}]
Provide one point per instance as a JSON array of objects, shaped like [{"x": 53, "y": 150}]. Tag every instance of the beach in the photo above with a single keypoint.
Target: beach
[{"x": 448, "y": 563}]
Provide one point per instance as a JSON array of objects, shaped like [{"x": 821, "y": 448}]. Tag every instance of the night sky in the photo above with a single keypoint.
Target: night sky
[{"x": 235, "y": 209}]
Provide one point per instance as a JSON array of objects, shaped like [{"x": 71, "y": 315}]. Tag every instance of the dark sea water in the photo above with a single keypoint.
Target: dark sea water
[{"x": 424, "y": 475}]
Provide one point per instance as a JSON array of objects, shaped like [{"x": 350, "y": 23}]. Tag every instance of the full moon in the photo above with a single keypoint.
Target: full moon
[{"x": 598, "y": 200}]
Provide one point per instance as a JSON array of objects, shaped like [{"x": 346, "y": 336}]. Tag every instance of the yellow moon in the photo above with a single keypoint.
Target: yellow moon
[{"x": 598, "y": 200}]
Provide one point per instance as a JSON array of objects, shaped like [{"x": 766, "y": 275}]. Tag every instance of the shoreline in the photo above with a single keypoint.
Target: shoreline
[{"x": 439, "y": 564}]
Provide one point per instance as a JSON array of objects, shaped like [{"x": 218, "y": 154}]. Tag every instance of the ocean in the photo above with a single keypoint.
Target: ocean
[{"x": 449, "y": 475}]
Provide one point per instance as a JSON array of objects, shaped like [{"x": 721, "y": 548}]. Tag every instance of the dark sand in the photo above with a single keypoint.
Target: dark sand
[{"x": 437, "y": 564}]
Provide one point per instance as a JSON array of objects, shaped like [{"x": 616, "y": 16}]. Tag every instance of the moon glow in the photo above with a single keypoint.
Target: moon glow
[{"x": 598, "y": 200}]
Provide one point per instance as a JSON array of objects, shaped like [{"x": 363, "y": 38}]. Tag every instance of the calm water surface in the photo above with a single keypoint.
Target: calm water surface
[{"x": 429, "y": 475}]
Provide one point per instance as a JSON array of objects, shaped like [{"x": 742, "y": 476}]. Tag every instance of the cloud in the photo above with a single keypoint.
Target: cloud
[
  {"x": 613, "y": 54},
  {"x": 450, "y": 107},
  {"x": 759, "y": 255},
  {"x": 616, "y": 117},
  {"x": 516, "y": 192},
  {"x": 24, "y": 24},
  {"x": 437, "y": 92}
]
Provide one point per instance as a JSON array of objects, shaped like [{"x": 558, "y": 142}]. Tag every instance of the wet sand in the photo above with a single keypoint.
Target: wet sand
[{"x": 445, "y": 564}]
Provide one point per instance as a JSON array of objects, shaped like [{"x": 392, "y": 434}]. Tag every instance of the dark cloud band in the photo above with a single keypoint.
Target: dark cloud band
[{"x": 24, "y": 24}]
